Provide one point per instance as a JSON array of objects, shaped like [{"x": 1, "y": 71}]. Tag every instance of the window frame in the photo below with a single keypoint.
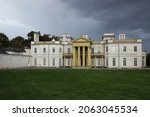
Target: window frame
[
  {"x": 35, "y": 50},
  {"x": 106, "y": 48},
  {"x": 68, "y": 50},
  {"x": 135, "y": 62},
  {"x": 60, "y": 50},
  {"x": 53, "y": 50},
  {"x": 53, "y": 61},
  {"x": 92, "y": 50},
  {"x": 135, "y": 48},
  {"x": 35, "y": 61},
  {"x": 44, "y": 61},
  {"x": 114, "y": 62},
  {"x": 124, "y": 48},
  {"x": 44, "y": 50},
  {"x": 124, "y": 61}
]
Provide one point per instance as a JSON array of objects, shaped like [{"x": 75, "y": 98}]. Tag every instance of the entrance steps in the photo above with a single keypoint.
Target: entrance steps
[{"x": 81, "y": 67}]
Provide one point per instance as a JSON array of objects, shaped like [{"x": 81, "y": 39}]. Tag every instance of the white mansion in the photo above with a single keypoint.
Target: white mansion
[{"x": 83, "y": 52}]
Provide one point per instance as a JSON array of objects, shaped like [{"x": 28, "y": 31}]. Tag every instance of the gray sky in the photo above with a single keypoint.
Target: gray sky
[{"x": 77, "y": 17}]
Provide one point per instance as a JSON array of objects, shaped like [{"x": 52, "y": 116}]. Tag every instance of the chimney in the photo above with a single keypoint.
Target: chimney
[
  {"x": 85, "y": 36},
  {"x": 122, "y": 36},
  {"x": 36, "y": 36}
]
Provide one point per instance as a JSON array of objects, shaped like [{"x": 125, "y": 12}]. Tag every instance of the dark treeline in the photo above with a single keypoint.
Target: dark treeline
[
  {"x": 148, "y": 60},
  {"x": 17, "y": 42},
  {"x": 20, "y": 42}
]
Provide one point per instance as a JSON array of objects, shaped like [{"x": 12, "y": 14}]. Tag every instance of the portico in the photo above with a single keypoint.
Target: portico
[{"x": 82, "y": 53}]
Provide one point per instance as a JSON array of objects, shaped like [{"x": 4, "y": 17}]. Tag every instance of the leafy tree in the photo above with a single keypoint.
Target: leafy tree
[
  {"x": 4, "y": 41},
  {"x": 148, "y": 60},
  {"x": 17, "y": 42},
  {"x": 55, "y": 37},
  {"x": 31, "y": 36},
  {"x": 46, "y": 37},
  {"x": 27, "y": 43}
]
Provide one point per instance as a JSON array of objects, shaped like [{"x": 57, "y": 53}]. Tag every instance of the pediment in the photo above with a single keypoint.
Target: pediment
[{"x": 81, "y": 40}]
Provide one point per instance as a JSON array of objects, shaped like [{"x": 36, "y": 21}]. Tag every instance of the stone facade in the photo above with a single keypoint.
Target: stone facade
[{"x": 83, "y": 52}]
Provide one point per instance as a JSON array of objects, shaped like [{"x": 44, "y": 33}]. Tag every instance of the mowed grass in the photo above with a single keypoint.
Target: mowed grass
[{"x": 76, "y": 84}]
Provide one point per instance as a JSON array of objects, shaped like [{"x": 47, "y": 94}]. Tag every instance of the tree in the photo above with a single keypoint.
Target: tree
[
  {"x": 4, "y": 41},
  {"x": 27, "y": 43},
  {"x": 55, "y": 37},
  {"x": 31, "y": 36},
  {"x": 46, "y": 37},
  {"x": 17, "y": 42},
  {"x": 148, "y": 60}
]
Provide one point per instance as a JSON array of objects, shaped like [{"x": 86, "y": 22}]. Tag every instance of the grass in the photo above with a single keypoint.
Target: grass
[{"x": 37, "y": 84}]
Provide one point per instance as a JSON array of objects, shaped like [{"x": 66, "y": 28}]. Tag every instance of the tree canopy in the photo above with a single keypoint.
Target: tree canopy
[
  {"x": 4, "y": 41},
  {"x": 17, "y": 42},
  {"x": 148, "y": 60},
  {"x": 31, "y": 35}
]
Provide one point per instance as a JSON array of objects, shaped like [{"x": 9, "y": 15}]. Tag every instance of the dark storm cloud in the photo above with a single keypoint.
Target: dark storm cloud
[
  {"x": 128, "y": 16},
  {"x": 124, "y": 14},
  {"x": 77, "y": 17}
]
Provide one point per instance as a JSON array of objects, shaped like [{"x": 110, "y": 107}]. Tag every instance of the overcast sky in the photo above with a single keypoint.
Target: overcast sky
[{"x": 77, "y": 17}]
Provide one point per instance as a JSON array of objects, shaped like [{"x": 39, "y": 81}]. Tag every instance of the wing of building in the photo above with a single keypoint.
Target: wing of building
[{"x": 82, "y": 52}]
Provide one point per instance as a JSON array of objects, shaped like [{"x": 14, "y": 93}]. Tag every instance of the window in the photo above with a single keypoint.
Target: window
[
  {"x": 124, "y": 61},
  {"x": 35, "y": 50},
  {"x": 69, "y": 51},
  {"x": 98, "y": 51},
  {"x": 99, "y": 61},
  {"x": 92, "y": 61},
  {"x": 114, "y": 61},
  {"x": 135, "y": 61},
  {"x": 113, "y": 49},
  {"x": 53, "y": 50},
  {"x": 143, "y": 62},
  {"x": 59, "y": 61},
  {"x": 92, "y": 50},
  {"x": 106, "y": 49},
  {"x": 35, "y": 62},
  {"x": 106, "y": 61},
  {"x": 68, "y": 61},
  {"x": 135, "y": 48},
  {"x": 44, "y": 50},
  {"x": 53, "y": 61},
  {"x": 60, "y": 51},
  {"x": 44, "y": 61},
  {"x": 124, "y": 49}
]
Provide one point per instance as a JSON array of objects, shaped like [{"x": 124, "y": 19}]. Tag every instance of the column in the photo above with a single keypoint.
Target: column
[
  {"x": 74, "y": 56},
  {"x": 102, "y": 61},
  {"x": 64, "y": 61},
  {"x": 89, "y": 56},
  {"x": 79, "y": 64},
  {"x": 144, "y": 61},
  {"x": 83, "y": 59},
  {"x": 70, "y": 61},
  {"x": 95, "y": 61}
]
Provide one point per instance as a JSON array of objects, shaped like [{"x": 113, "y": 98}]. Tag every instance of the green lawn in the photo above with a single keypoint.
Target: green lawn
[{"x": 74, "y": 84}]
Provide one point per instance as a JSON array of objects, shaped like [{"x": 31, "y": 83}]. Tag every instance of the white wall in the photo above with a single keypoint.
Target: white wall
[
  {"x": 14, "y": 61},
  {"x": 97, "y": 48},
  {"x": 39, "y": 55},
  {"x": 66, "y": 48},
  {"x": 48, "y": 55},
  {"x": 56, "y": 55},
  {"x": 116, "y": 51}
]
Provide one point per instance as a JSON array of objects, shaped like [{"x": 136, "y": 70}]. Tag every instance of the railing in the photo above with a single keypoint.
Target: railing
[
  {"x": 92, "y": 54},
  {"x": 97, "y": 54},
  {"x": 67, "y": 54}
]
